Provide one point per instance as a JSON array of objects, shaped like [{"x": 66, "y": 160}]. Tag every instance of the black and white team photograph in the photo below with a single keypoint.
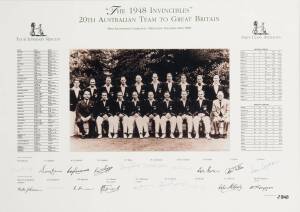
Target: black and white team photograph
[{"x": 149, "y": 99}]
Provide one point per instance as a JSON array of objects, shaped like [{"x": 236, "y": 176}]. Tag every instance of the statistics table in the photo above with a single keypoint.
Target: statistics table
[
  {"x": 261, "y": 75},
  {"x": 261, "y": 127}
]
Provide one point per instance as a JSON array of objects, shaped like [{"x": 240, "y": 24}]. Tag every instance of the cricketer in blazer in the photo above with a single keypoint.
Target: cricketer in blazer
[
  {"x": 84, "y": 109},
  {"x": 74, "y": 99}
]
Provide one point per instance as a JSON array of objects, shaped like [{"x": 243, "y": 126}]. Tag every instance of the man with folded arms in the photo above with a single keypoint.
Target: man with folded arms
[
  {"x": 156, "y": 87},
  {"x": 171, "y": 87},
  {"x": 108, "y": 88},
  {"x": 92, "y": 88},
  {"x": 140, "y": 88},
  {"x": 168, "y": 114},
  {"x": 75, "y": 97},
  {"x": 135, "y": 117},
  {"x": 104, "y": 112},
  {"x": 220, "y": 112},
  {"x": 214, "y": 88},
  {"x": 121, "y": 115},
  {"x": 184, "y": 86},
  {"x": 199, "y": 86},
  {"x": 124, "y": 89},
  {"x": 151, "y": 108},
  {"x": 85, "y": 114},
  {"x": 185, "y": 113},
  {"x": 201, "y": 114}
]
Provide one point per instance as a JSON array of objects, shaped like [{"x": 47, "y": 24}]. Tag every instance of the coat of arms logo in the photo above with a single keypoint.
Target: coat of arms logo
[
  {"x": 259, "y": 28},
  {"x": 36, "y": 30}
]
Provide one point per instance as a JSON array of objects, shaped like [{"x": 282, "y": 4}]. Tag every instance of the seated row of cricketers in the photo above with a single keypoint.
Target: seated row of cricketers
[{"x": 140, "y": 113}]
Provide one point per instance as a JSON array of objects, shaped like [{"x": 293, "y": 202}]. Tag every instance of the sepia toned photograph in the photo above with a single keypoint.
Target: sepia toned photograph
[{"x": 149, "y": 100}]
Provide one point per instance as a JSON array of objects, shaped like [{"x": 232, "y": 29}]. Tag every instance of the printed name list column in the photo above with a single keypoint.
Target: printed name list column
[
  {"x": 37, "y": 100},
  {"x": 261, "y": 94}
]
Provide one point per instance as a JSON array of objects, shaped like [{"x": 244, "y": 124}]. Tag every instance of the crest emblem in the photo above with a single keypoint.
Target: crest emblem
[
  {"x": 259, "y": 28},
  {"x": 36, "y": 30}
]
